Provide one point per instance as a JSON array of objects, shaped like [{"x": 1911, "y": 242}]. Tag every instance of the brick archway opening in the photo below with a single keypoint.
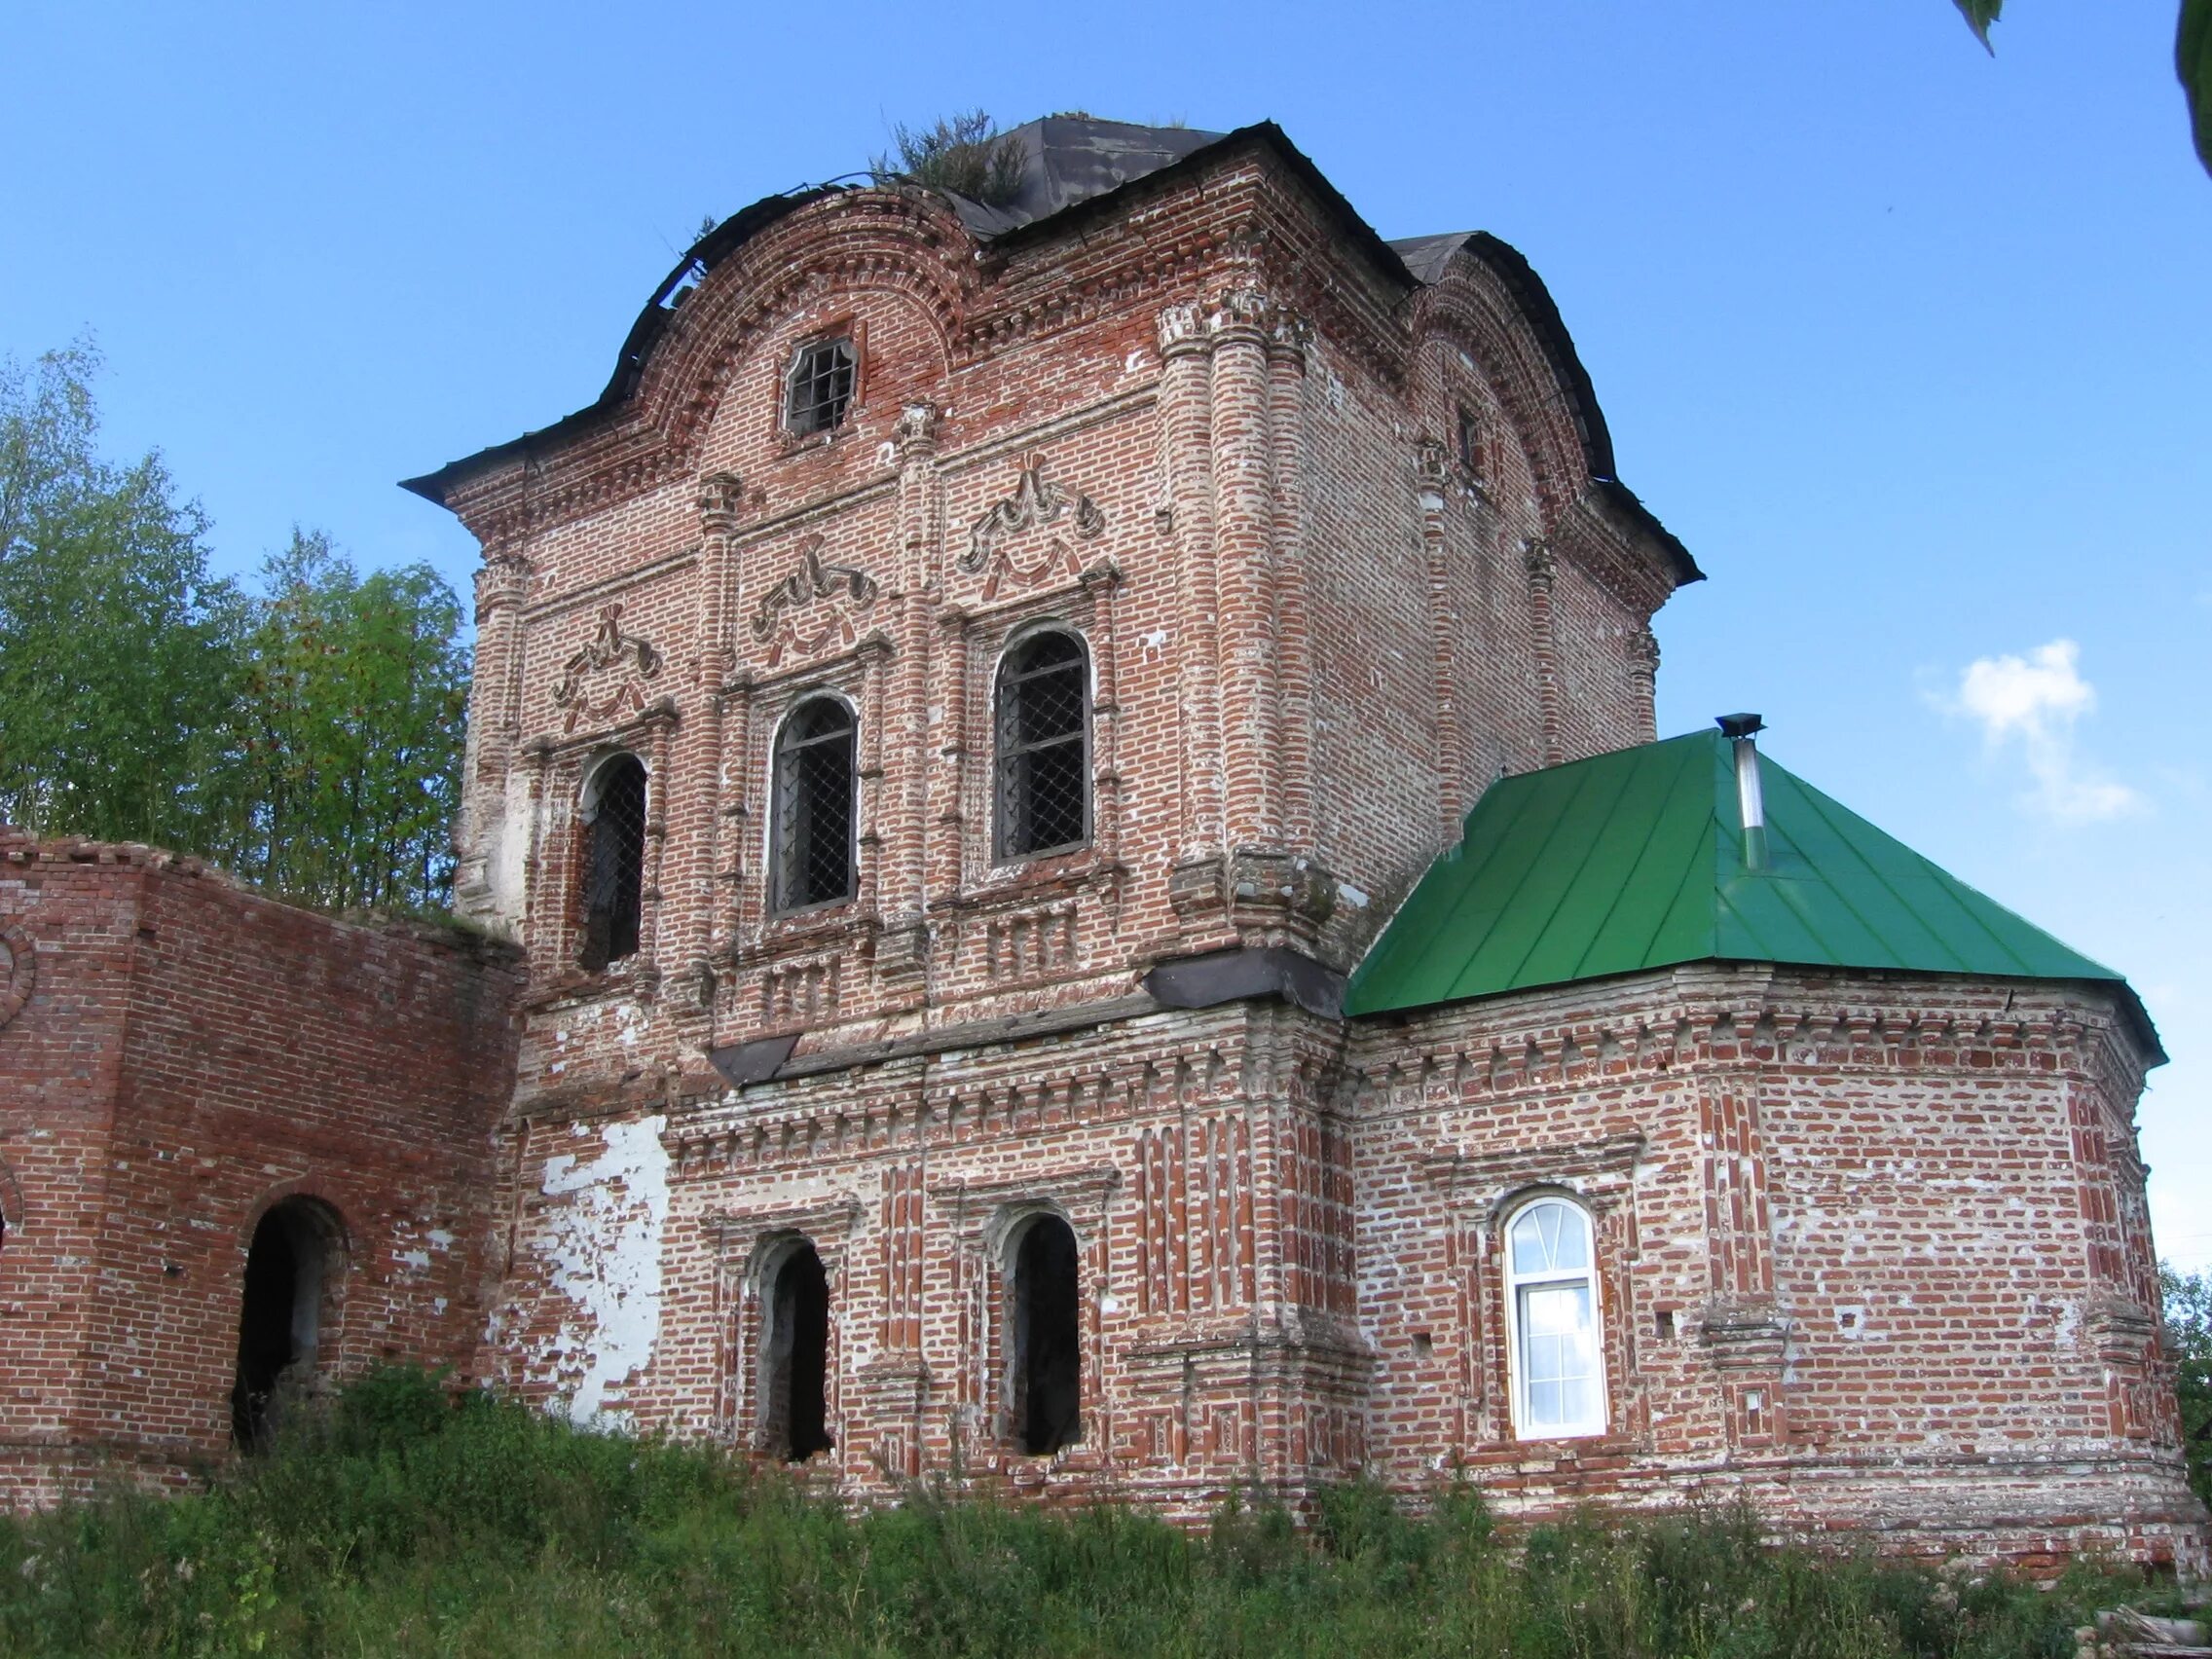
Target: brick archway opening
[
  {"x": 1048, "y": 1344},
  {"x": 796, "y": 1359},
  {"x": 295, "y": 1253}
]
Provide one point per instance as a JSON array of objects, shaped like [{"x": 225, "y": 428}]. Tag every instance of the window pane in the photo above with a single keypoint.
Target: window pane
[
  {"x": 1550, "y": 1238},
  {"x": 1559, "y": 1357}
]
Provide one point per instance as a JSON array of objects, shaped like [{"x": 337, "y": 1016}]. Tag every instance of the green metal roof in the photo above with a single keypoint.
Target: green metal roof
[{"x": 1635, "y": 859}]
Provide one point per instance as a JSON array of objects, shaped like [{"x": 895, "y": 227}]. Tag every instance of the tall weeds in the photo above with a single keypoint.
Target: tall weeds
[{"x": 398, "y": 1521}]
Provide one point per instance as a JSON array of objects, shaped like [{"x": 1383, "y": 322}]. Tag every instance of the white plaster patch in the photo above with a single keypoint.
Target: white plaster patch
[
  {"x": 603, "y": 1253},
  {"x": 1356, "y": 897}
]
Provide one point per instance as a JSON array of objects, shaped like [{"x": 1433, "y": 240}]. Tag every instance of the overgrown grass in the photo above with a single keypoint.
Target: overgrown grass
[{"x": 397, "y": 1521}]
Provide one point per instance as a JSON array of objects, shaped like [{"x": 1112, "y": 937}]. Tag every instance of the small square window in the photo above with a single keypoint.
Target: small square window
[
  {"x": 819, "y": 389},
  {"x": 1470, "y": 442}
]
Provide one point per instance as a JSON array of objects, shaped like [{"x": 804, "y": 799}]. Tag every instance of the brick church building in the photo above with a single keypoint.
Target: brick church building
[{"x": 1092, "y": 904}]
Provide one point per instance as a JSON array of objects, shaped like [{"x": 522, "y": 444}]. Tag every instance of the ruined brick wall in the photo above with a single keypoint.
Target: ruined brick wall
[
  {"x": 68, "y": 933},
  {"x": 190, "y": 1055},
  {"x": 1862, "y": 1254}
]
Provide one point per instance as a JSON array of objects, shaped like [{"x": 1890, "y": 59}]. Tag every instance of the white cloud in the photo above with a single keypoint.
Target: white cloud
[{"x": 2031, "y": 703}]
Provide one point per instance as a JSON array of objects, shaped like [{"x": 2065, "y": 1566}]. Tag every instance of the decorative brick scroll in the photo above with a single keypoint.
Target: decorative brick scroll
[
  {"x": 1035, "y": 500},
  {"x": 845, "y": 590},
  {"x": 606, "y": 648}
]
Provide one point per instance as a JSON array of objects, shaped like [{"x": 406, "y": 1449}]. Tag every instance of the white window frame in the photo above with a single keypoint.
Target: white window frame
[{"x": 1518, "y": 1283}]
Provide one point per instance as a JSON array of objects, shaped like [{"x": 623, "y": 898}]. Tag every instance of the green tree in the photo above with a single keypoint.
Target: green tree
[
  {"x": 309, "y": 738},
  {"x": 354, "y": 688},
  {"x": 2192, "y": 59},
  {"x": 2189, "y": 1336},
  {"x": 117, "y": 661}
]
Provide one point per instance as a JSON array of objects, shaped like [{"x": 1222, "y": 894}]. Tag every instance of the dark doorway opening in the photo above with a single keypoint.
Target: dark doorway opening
[
  {"x": 280, "y": 1321},
  {"x": 1048, "y": 1344},
  {"x": 795, "y": 1407}
]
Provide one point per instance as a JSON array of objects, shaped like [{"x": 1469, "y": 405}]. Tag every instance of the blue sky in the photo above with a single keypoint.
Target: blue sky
[{"x": 1910, "y": 345}]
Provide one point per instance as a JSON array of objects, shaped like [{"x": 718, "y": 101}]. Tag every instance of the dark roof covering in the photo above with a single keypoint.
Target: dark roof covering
[
  {"x": 1067, "y": 159},
  {"x": 1428, "y": 258},
  {"x": 1635, "y": 859}
]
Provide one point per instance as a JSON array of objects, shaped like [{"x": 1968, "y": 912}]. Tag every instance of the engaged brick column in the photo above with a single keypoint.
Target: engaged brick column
[
  {"x": 1444, "y": 622},
  {"x": 1185, "y": 420},
  {"x": 1543, "y": 649},
  {"x": 495, "y": 701},
  {"x": 1288, "y": 342},
  {"x": 902, "y": 948},
  {"x": 1243, "y": 572}
]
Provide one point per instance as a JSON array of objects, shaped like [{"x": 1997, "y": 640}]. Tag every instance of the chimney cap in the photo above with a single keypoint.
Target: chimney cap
[{"x": 1738, "y": 725}]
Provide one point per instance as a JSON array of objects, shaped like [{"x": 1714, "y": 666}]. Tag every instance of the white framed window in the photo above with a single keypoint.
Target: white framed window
[{"x": 1551, "y": 1299}]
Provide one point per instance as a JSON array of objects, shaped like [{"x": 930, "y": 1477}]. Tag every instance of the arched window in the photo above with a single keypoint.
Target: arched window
[
  {"x": 1559, "y": 1370},
  {"x": 794, "y": 1358},
  {"x": 1043, "y": 746},
  {"x": 296, "y": 1250},
  {"x": 613, "y": 861},
  {"x": 813, "y": 817},
  {"x": 1045, "y": 1350}
]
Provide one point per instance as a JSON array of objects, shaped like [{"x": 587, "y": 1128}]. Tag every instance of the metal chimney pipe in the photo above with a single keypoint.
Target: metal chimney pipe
[{"x": 1742, "y": 730}]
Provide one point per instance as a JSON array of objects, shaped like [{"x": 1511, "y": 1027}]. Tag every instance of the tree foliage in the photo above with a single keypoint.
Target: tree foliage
[
  {"x": 965, "y": 154},
  {"x": 351, "y": 730},
  {"x": 309, "y": 737},
  {"x": 2189, "y": 1337},
  {"x": 2192, "y": 59},
  {"x": 115, "y": 670}
]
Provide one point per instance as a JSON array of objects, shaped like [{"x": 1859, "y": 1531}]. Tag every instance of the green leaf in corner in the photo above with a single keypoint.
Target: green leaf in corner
[
  {"x": 2193, "y": 62},
  {"x": 1979, "y": 14}
]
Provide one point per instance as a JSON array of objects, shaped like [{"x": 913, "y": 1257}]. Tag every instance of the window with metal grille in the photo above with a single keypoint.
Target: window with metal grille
[
  {"x": 1043, "y": 746},
  {"x": 813, "y": 853},
  {"x": 613, "y": 861},
  {"x": 820, "y": 388}
]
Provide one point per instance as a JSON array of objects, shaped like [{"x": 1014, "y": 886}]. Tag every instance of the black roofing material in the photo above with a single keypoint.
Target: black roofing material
[
  {"x": 1244, "y": 972},
  {"x": 1067, "y": 159}
]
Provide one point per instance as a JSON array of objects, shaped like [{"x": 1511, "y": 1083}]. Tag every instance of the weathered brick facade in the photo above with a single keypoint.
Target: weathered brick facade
[
  {"x": 177, "y": 1057},
  {"x": 1336, "y": 525}
]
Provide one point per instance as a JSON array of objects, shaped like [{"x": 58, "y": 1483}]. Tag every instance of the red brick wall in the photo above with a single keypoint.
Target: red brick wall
[
  {"x": 190, "y": 1054},
  {"x": 1308, "y": 656},
  {"x": 1843, "y": 1253},
  {"x": 1215, "y": 436}
]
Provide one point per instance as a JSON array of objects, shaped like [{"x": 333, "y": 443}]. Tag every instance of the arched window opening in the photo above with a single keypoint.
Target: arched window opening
[
  {"x": 1559, "y": 1374},
  {"x": 613, "y": 861},
  {"x": 812, "y": 819},
  {"x": 1043, "y": 746},
  {"x": 794, "y": 1360},
  {"x": 1047, "y": 1357},
  {"x": 293, "y": 1255}
]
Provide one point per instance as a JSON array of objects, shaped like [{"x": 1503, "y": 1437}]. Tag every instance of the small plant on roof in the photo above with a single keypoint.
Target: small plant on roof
[{"x": 965, "y": 154}]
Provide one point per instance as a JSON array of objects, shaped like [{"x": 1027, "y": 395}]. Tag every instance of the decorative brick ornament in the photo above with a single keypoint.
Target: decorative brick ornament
[{"x": 19, "y": 972}]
